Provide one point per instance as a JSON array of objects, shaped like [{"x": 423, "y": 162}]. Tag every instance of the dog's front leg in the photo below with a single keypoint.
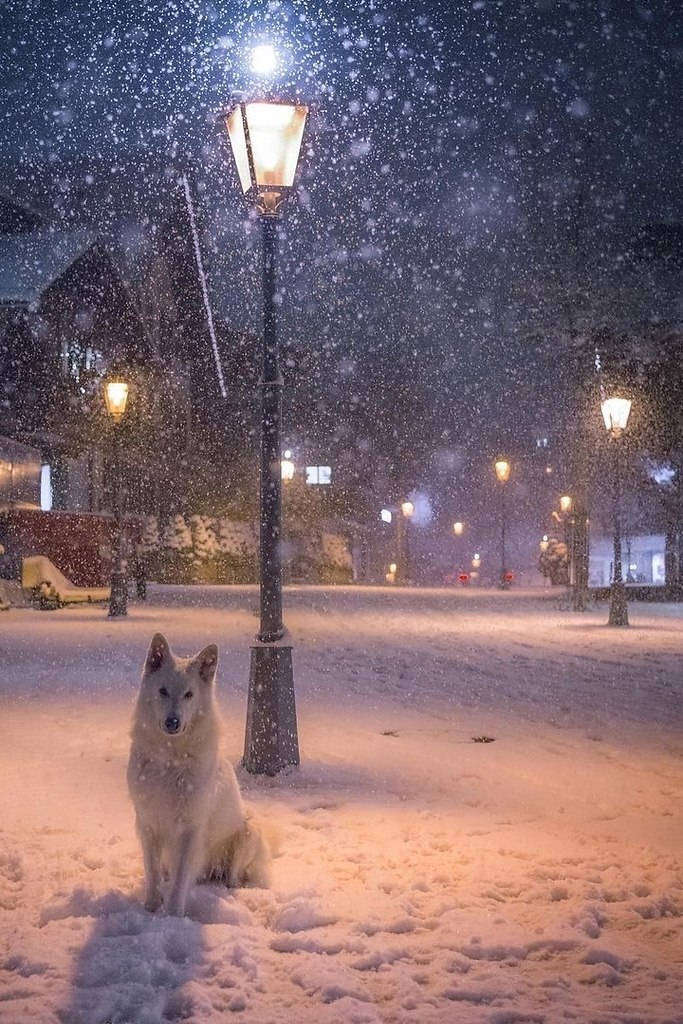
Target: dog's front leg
[
  {"x": 183, "y": 870},
  {"x": 151, "y": 855}
]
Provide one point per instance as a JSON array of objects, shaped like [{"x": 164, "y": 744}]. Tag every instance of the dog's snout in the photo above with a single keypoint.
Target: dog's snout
[{"x": 172, "y": 723}]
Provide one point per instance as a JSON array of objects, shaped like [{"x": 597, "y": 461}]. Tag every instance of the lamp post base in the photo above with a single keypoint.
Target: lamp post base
[
  {"x": 271, "y": 740},
  {"x": 618, "y": 608},
  {"x": 118, "y": 598}
]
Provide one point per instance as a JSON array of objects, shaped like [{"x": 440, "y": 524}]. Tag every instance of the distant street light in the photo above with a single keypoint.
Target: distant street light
[
  {"x": 116, "y": 398},
  {"x": 615, "y": 412},
  {"x": 287, "y": 467},
  {"x": 266, "y": 138},
  {"x": 567, "y": 520},
  {"x": 403, "y": 554},
  {"x": 502, "y": 468},
  {"x": 458, "y": 530}
]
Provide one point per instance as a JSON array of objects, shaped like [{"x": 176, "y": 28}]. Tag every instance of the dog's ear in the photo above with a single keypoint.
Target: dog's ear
[
  {"x": 158, "y": 653},
  {"x": 207, "y": 660}
]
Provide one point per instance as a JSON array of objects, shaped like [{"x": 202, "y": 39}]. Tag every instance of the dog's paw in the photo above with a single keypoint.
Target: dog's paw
[
  {"x": 152, "y": 902},
  {"x": 175, "y": 906}
]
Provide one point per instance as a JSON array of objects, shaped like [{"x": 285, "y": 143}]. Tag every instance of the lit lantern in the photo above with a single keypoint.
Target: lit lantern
[
  {"x": 565, "y": 503},
  {"x": 615, "y": 412},
  {"x": 458, "y": 528},
  {"x": 407, "y": 508},
  {"x": 287, "y": 467},
  {"x": 502, "y": 467},
  {"x": 116, "y": 397},
  {"x": 266, "y": 141}
]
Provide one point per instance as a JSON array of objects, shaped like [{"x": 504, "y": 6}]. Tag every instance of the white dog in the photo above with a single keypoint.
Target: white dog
[{"x": 189, "y": 812}]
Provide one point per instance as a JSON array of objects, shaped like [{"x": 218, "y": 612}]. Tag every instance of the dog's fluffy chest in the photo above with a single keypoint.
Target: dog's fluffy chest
[{"x": 169, "y": 786}]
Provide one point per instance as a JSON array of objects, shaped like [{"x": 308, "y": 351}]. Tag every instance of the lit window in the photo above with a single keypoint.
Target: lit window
[
  {"x": 45, "y": 488},
  {"x": 541, "y": 442},
  {"x": 318, "y": 475}
]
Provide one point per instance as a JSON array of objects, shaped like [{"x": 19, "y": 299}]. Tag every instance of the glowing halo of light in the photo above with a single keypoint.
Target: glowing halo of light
[{"x": 263, "y": 59}]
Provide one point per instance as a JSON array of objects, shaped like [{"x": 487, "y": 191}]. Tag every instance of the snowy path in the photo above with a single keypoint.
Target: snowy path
[{"x": 423, "y": 877}]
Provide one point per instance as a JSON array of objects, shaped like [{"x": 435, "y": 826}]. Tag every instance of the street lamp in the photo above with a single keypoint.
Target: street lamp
[
  {"x": 502, "y": 468},
  {"x": 407, "y": 510},
  {"x": 565, "y": 517},
  {"x": 458, "y": 530},
  {"x": 266, "y": 138},
  {"x": 116, "y": 399},
  {"x": 615, "y": 412},
  {"x": 287, "y": 467}
]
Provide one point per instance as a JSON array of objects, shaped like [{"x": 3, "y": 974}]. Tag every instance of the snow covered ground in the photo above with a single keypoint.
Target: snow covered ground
[{"x": 424, "y": 877}]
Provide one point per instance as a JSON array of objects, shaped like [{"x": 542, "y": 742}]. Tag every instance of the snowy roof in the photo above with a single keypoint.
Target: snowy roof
[
  {"x": 17, "y": 218},
  {"x": 30, "y": 263},
  {"x": 15, "y": 451}
]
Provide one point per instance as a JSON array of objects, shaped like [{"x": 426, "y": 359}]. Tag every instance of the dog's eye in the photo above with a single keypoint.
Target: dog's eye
[
  {"x": 189, "y": 695},
  {"x": 163, "y": 692}
]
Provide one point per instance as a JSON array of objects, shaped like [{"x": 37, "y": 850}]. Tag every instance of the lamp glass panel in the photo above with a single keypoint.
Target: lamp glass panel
[
  {"x": 238, "y": 142},
  {"x": 275, "y": 134},
  {"x": 615, "y": 412},
  {"x": 502, "y": 469},
  {"x": 116, "y": 397}
]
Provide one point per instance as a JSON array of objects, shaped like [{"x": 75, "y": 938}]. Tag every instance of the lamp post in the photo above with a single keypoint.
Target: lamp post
[
  {"x": 567, "y": 520},
  {"x": 615, "y": 412},
  {"x": 458, "y": 530},
  {"x": 287, "y": 467},
  {"x": 402, "y": 519},
  {"x": 116, "y": 399},
  {"x": 265, "y": 137},
  {"x": 502, "y": 468}
]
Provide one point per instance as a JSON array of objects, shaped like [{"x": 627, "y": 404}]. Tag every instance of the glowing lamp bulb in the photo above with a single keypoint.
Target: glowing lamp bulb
[{"x": 263, "y": 59}]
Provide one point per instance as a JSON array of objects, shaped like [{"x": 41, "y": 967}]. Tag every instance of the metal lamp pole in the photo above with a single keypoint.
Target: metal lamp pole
[
  {"x": 116, "y": 398},
  {"x": 502, "y": 468},
  {"x": 566, "y": 516},
  {"x": 404, "y": 515},
  {"x": 618, "y": 608},
  {"x": 265, "y": 138},
  {"x": 615, "y": 412},
  {"x": 271, "y": 737}
]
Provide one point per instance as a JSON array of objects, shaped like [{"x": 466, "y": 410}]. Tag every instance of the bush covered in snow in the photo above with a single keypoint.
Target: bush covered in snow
[
  {"x": 554, "y": 563},
  {"x": 317, "y": 557},
  {"x": 201, "y": 549}
]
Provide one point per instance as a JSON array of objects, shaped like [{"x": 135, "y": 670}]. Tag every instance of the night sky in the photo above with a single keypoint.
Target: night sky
[{"x": 473, "y": 176}]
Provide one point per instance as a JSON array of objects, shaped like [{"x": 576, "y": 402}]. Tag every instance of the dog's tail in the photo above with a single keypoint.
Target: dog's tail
[{"x": 244, "y": 859}]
